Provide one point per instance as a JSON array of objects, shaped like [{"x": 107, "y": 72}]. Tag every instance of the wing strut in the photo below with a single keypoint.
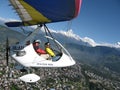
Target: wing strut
[{"x": 32, "y": 35}]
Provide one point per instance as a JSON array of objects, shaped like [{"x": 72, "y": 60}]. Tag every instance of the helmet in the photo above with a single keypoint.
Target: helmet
[
  {"x": 38, "y": 41},
  {"x": 47, "y": 43}
]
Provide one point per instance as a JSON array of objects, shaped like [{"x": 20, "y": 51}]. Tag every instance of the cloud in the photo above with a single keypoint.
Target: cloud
[
  {"x": 68, "y": 33},
  {"x": 110, "y": 45},
  {"x": 3, "y": 20},
  {"x": 71, "y": 34},
  {"x": 90, "y": 41},
  {"x": 118, "y": 43},
  {"x": 7, "y": 19}
]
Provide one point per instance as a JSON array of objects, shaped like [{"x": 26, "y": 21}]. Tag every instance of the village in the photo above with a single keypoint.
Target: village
[
  {"x": 67, "y": 78},
  {"x": 51, "y": 78}
]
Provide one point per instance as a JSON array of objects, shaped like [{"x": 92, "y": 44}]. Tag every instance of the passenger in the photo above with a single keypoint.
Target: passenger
[{"x": 51, "y": 52}]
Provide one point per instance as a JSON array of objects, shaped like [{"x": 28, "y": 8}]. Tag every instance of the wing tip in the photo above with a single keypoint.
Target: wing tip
[{"x": 14, "y": 24}]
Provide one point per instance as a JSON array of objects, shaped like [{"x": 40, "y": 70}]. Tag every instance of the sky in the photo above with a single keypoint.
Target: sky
[{"x": 98, "y": 20}]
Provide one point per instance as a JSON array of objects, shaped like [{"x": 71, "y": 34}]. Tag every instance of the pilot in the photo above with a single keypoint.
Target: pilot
[
  {"x": 40, "y": 51},
  {"x": 36, "y": 45}
]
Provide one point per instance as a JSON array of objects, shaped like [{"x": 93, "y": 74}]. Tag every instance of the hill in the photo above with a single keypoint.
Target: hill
[
  {"x": 97, "y": 68},
  {"x": 99, "y": 56},
  {"x": 12, "y": 35}
]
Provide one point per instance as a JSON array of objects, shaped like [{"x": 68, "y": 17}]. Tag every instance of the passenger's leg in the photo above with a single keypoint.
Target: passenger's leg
[{"x": 46, "y": 56}]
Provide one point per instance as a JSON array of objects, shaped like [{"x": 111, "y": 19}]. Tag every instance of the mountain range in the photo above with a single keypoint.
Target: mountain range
[
  {"x": 97, "y": 66},
  {"x": 12, "y": 35},
  {"x": 82, "y": 51},
  {"x": 70, "y": 37}
]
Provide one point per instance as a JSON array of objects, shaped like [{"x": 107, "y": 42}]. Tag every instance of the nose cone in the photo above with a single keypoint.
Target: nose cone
[{"x": 73, "y": 62}]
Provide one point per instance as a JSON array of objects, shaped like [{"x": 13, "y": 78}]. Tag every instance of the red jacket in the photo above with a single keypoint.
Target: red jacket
[{"x": 38, "y": 50}]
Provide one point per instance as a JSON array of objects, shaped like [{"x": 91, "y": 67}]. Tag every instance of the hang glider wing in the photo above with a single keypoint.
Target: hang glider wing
[{"x": 34, "y": 12}]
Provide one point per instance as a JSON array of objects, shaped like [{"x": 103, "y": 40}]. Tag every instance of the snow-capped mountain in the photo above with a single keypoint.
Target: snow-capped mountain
[
  {"x": 64, "y": 36},
  {"x": 69, "y": 37},
  {"x": 73, "y": 38}
]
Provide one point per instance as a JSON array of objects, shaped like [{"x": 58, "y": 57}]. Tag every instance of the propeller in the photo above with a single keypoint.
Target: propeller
[
  {"x": 7, "y": 55},
  {"x": 7, "y": 51}
]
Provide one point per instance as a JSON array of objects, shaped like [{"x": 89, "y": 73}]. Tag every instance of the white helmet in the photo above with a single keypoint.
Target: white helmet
[{"x": 38, "y": 41}]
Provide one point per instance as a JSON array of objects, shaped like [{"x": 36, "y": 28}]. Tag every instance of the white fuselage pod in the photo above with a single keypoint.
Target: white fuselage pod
[
  {"x": 32, "y": 59},
  {"x": 30, "y": 78}
]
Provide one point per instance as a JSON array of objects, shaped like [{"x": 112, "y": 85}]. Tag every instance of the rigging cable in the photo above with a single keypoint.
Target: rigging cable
[
  {"x": 69, "y": 25},
  {"x": 46, "y": 28},
  {"x": 46, "y": 33}
]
